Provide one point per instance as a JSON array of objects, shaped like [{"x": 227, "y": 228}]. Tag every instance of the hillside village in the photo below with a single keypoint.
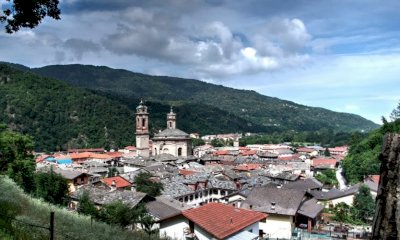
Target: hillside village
[{"x": 260, "y": 191}]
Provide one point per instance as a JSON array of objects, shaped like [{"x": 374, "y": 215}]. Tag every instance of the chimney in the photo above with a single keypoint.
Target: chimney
[
  {"x": 273, "y": 205},
  {"x": 114, "y": 183},
  {"x": 231, "y": 220}
]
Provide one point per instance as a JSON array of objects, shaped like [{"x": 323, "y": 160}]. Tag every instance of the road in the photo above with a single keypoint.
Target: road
[{"x": 340, "y": 178}]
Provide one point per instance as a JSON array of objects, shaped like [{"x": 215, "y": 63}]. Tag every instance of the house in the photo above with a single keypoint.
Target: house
[
  {"x": 372, "y": 181},
  {"x": 304, "y": 184},
  {"x": 117, "y": 182},
  {"x": 74, "y": 178},
  {"x": 102, "y": 195},
  {"x": 280, "y": 204},
  {"x": 220, "y": 221},
  {"x": 335, "y": 196},
  {"x": 324, "y": 163},
  {"x": 167, "y": 214}
]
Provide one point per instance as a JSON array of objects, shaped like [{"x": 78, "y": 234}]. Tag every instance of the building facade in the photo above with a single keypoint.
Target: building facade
[{"x": 170, "y": 141}]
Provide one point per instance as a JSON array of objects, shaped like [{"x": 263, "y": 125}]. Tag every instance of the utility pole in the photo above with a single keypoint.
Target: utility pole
[{"x": 51, "y": 226}]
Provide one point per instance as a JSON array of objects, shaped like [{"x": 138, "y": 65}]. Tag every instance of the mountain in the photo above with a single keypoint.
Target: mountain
[
  {"x": 61, "y": 116},
  {"x": 267, "y": 113}
]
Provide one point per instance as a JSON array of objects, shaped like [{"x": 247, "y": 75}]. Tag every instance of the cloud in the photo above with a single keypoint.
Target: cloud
[
  {"x": 78, "y": 47},
  {"x": 212, "y": 49}
]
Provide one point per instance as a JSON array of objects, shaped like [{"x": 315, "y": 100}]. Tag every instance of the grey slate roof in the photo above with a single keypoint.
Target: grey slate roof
[
  {"x": 165, "y": 157},
  {"x": 306, "y": 184},
  {"x": 334, "y": 193},
  {"x": 262, "y": 199},
  {"x": 310, "y": 208},
  {"x": 163, "y": 208},
  {"x": 102, "y": 196},
  {"x": 68, "y": 174},
  {"x": 171, "y": 133}
]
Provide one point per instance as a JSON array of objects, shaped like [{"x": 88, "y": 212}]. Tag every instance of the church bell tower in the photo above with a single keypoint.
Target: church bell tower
[
  {"x": 171, "y": 119},
  {"x": 142, "y": 130}
]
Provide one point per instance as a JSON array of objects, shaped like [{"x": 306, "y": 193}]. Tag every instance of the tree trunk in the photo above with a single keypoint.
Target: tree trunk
[{"x": 387, "y": 212}]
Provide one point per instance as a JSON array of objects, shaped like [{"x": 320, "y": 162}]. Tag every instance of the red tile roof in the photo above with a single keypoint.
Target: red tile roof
[
  {"x": 323, "y": 162},
  {"x": 76, "y": 156},
  {"x": 114, "y": 154},
  {"x": 247, "y": 167},
  {"x": 120, "y": 182},
  {"x": 185, "y": 172},
  {"x": 130, "y": 148},
  {"x": 289, "y": 158},
  {"x": 222, "y": 152},
  {"x": 375, "y": 178},
  {"x": 222, "y": 220},
  {"x": 248, "y": 152}
]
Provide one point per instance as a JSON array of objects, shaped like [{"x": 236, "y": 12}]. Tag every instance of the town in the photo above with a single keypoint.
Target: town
[{"x": 258, "y": 191}]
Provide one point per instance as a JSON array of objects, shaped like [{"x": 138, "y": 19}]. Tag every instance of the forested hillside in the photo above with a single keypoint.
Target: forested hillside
[
  {"x": 273, "y": 113},
  {"x": 61, "y": 116},
  {"x": 362, "y": 159}
]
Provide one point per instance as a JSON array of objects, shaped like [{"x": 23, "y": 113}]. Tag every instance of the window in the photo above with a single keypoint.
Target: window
[
  {"x": 179, "y": 151},
  {"x": 155, "y": 151},
  {"x": 170, "y": 124},
  {"x": 143, "y": 122}
]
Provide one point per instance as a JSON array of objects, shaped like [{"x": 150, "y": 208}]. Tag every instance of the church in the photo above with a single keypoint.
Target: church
[{"x": 169, "y": 141}]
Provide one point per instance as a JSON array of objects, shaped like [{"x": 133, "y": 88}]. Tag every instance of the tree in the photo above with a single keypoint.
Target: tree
[
  {"x": 395, "y": 113},
  {"x": 23, "y": 13},
  {"x": 118, "y": 213},
  {"x": 51, "y": 187},
  {"x": 217, "y": 142},
  {"x": 342, "y": 212},
  {"x": 86, "y": 205},
  {"x": 364, "y": 204},
  {"x": 145, "y": 184},
  {"x": 327, "y": 153},
  {"x": 197, "y": 142},
  {"x": 16, "y": 159}
]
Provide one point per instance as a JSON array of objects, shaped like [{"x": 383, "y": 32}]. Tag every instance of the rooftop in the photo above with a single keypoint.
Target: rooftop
[
  {"x": 222, "y": 220},
  {"x": 171, "y": 133}
]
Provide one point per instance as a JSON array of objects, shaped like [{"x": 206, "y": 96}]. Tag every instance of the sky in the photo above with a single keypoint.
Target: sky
[{"x": 336, "y": 54}]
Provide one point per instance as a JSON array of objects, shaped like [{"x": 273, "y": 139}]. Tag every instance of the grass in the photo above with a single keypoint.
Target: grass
[{"x": 31, "y": 216}]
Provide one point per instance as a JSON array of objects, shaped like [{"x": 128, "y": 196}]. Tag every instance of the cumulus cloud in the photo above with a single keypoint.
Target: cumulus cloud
[{"x": 211, "y": 49}]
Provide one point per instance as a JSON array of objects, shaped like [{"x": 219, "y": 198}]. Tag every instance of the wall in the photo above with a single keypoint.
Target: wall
[
  {"x": 347, "y": 199},
  {"x": 278, "y": 226},
  {"x": 174, "y": 227}
]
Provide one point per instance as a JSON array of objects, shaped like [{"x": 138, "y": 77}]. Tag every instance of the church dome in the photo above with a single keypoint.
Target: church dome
[{"x": 171, "y": 133}]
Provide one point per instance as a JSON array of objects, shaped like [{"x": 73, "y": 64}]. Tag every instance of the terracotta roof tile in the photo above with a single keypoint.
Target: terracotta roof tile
[
  {"x": 120, "y": 182},
  {"x": 185, "y": 172},
  {"x": 222, "y": 220}
]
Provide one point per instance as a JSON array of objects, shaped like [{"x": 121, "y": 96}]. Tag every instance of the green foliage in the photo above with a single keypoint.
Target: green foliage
[
  {"x": 327, "y": 153},
  {"x": 197, "y": 142},
  {"x": 327, "y": 177},
  {"x": 86, "y": 205},
  {"x": 23, "y": 13},
  {"x": 69, "y": 225},
  {"x": 145, "y": 184},
  {"x": 342, "y": 212},
  {"x": 362, "y": 159},
  {"x": 216, "y": 142},
  {"x": 323, "y": 137},
  {"x": 112, "y": 172},
  {"x": 395, "y": 114},
  {"x": 16, "y": 159},
  {"x": 51, "y": 187},
  {"x": 272, "y": 113},
  {"x": 59, "y": 116},
  {"x": 364, "y": 205},
  {"x": 118, "y": 213}
]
